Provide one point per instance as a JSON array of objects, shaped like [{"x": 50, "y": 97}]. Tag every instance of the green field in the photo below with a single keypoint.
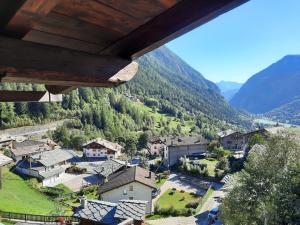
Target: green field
[
  {"x": 211, "y": 165},
  {"x": 17, "y": 196},
  {"x": 178, "y": 200}
]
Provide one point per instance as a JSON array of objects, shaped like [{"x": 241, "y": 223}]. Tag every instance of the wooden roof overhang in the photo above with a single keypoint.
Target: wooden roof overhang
[{"x": 66, "y": 44}]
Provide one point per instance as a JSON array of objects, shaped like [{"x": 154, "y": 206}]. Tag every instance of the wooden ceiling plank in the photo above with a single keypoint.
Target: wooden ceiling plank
[
  {"x": 55, "y": 23},
  {"x": 28, "y": 96},
  {"x": 181, "y": 18},
  {"x": 141, "y": 9},
  {"x": 31, "y": 12},
  {"x": 22, "y": 61},
  {"x": 59, "y": 41},
  {"x": 99, "y": 14}
]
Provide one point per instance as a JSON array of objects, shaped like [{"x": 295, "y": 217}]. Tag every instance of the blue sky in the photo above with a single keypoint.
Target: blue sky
[{"x": 244, "y": 41}]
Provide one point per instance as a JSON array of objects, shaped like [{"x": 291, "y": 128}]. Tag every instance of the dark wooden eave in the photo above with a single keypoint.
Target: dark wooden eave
[
  {"x": 70, "y": 43},
  {"x": 28, "y": 96}
]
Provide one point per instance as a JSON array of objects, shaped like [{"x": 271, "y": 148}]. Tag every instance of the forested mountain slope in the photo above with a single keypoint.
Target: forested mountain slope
[
  {"x": 164, "y": 76},
  {"x": 287, "y": 113},
  {"x": 167, "y": 96},
  {"x": 271, "y": 88}
]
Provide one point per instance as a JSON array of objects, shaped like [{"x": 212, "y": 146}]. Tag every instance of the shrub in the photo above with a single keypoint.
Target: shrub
[
  {"x": 192, "y": 205},
  {"x": 182, "y": 191}
]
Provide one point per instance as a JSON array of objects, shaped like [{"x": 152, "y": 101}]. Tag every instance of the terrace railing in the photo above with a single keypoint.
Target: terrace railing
[{"x": 38, "y": 218}]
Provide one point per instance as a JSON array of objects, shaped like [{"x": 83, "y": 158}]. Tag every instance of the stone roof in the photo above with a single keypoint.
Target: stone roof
[
  {"x": 109, "y": 167},
  {"x": 29, "y": 147},
  {"x": 49, "y": 158},
  {"x": 98, "y": 211},
  {"x": 134, "y": 209},
  {"x": 183, "y": 140},
  {"x": 225, "y": 133},
  {"x": 107, "y": 144},
  {"x": 4, "y": 160},
  {"x": 110, "y": 213},
  {"x": 52, "y": 172},
  {"x": 127, "y": 176}
]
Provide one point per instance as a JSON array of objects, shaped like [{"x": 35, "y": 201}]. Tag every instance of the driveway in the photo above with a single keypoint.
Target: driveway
[{"x": 81, "y": 180}]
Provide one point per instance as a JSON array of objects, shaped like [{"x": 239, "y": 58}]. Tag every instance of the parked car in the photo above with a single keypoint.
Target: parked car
[
  {"x": 155, "y": 192},
  {"x": 213, "y": 214}
]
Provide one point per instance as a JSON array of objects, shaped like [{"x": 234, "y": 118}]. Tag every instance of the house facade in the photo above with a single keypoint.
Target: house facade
[
  {"x": 100, "y": 148},
  {"x": 133, "y": 183},
  {"x": 177, "y": 147},
  {"x": 156, "y": 146},
  {"x": 233, "y": 140},
  {"x": 47, "y": 167}
]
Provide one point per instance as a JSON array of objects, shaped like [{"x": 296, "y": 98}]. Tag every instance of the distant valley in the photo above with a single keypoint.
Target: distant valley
[{"x": 228, "y": 88}]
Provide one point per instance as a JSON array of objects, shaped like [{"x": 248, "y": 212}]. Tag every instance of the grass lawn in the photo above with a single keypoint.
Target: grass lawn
[
  {"x": 17, "y": 196},
  {"x": 207, "y": 195},
  {"x": 178, "y": 200},
  {"x": 211, "y": 165},
  {"x": 163, "y": 179},
  {"x": 64, "y": 188},
  {"x": 7, "y": 222}
]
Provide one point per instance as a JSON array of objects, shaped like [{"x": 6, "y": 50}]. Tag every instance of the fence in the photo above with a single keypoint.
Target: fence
[{"x": 37, "y": 218}]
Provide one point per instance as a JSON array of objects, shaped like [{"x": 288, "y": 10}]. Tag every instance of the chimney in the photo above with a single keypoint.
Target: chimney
[{"x": 83, "y": 202}]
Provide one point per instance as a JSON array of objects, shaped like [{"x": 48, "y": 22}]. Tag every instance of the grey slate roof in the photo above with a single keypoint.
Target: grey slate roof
[
  {"x": 49, "y": 158},
  {"x": 98, "y": 211},
  {"x": 187, "y": 140},
  {"x": 52, "y": 172},
  {"x": 109, "y": 167},
  {"x": 127, "y": 176},
  {"x": 225, "y": 133},
  {"x": 134, "y": 209},
  {"x": 29, "y": 147},
  {"x": 110, "y": 213}
]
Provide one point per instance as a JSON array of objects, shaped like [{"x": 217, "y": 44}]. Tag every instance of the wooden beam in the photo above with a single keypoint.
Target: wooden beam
[
  {"x": 8, "y": 9},
  {"x": 27, "y": 16},
  {"x": 179, "y": 19},
  {"x": 28, "y": 96},
  {"x": 22, "y": 61},
  {"x": 54, "y": 89}
]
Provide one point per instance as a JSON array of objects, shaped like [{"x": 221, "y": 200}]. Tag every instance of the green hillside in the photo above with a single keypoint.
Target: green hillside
[{"x": 167, "y": 96}]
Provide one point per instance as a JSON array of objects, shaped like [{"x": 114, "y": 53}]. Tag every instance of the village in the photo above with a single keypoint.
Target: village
[{"x": 178, "y": 176}]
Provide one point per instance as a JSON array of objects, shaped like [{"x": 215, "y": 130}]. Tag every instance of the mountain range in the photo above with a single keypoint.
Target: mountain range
[
  {"x": 273, "y": 91},
  {"x": 228, "y": 88}
]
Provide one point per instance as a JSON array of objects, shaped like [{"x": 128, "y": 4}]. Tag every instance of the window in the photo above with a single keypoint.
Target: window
[
  {"x": 130, "y": 198},
  {"x": 130, "y": 188},
  {"x": 94, "y": 154},
  {"x": 124, "y": 192}
]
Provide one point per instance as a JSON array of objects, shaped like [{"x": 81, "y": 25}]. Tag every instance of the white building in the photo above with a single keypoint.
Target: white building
[
  {"x": 100, "y": 148},
  {"x": 46, "y": 166},
  {"x": 133, "y": 183}
]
